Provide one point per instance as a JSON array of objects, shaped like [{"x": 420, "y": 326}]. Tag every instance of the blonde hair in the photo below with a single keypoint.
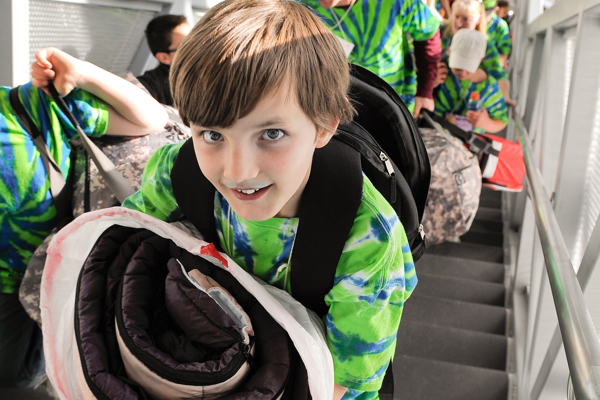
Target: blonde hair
[
  {"x": 469, "y": 7},
  {"x": 242, "y": 50}
]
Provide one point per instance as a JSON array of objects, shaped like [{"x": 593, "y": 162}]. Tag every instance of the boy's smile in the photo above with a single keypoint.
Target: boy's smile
[{"x": 262, "y": 162}]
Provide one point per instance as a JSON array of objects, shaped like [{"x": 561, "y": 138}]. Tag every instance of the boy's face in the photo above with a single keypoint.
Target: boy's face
[
  {"x": 262, "y": 162},
  {"x": 462, "y": 74}
]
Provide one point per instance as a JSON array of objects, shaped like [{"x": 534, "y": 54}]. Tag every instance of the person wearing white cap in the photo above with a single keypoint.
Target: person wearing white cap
[{"x": 469, "y": 99}]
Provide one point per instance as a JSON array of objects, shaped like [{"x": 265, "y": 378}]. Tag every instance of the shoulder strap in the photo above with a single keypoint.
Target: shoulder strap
[
  {"x": 195, "y": 195},
  {"x": 327, "y": 211},
  {"x": 114, "y": 180},
  {"x": 328, "y": 208},
  {"x": 478, "y": 145},
  {"x": 60, "y": 192}
]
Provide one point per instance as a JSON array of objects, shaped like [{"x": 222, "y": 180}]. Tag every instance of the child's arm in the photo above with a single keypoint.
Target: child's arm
[
  {"x": 131, "y": 111},
  {"x": 481, "y": 119},
  {"x": 338, "y": 391}
]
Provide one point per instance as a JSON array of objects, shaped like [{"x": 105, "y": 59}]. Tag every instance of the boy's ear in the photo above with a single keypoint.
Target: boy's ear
[
  {"x": 162, "y": 57},
  {"x": 325, "y": 135}
]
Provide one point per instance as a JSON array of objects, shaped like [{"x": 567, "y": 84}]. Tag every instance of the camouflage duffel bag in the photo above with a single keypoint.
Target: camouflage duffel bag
[
  {"x": 90, "y": 192},
  {"x": 455, "y": 187}
]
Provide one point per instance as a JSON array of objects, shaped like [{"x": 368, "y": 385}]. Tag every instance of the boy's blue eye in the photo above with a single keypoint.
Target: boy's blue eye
[
  {"x": 272, "y": 134},
  {"x": 212, "y": 136}
]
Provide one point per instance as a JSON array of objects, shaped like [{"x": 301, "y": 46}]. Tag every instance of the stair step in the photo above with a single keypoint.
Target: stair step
[
  {"x": 482, "y": 225},
  {"x": 455, "y": 314},
  {"x": 454, "y": 267},
  {"x": 490, "y": 202},
  {"x": 488, "y": 193},
  {"x": 486, "y": 238},
  {"x": 460, "y": 289},
  {"x": 420, "y": 378},
  {"x": 452, "y": 345},
  {"x": 489, "y": 214},
  {"x": 471, "y": 251}
]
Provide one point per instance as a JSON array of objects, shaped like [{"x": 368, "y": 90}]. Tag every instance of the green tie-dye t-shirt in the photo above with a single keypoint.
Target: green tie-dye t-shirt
[
  {"x": 453, "y": 96},
  {"x": 27, "y": 213},
  {"x": 374, "y": 277},
  {"x": 499, "y": 34},
  {"x": 377, "y": 29}
]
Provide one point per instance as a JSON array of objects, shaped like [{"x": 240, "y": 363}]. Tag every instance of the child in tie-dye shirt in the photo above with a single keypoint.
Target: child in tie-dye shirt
[
  {"x": 263, "y": 84},
  {"x": 101, "y": 103}
]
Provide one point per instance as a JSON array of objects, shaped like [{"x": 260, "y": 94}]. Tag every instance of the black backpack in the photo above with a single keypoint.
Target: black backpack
[{"x": 383, "y": 142}]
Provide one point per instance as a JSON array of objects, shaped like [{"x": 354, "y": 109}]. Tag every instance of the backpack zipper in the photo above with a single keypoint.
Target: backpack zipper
[{"x": 388, "y": 163}]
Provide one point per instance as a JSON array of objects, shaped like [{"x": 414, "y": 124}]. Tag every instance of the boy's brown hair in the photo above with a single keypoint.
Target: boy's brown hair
[{"x": 242, "y": 50}]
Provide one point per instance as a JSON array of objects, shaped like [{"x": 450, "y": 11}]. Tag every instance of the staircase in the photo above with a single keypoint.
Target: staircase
[{"x": 452, "y": 342}]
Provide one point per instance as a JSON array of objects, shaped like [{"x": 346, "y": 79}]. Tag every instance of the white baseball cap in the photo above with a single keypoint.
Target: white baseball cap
[{"x": 467, "y": 49}]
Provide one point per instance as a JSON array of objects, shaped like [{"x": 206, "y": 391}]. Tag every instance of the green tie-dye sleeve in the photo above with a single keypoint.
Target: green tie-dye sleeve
[
  {"x": 375, "y": 276},
  {"x": 418, "y": 20},
  {"x": 155, "y": 196},
  {"x": 491, "y": 63},
  {"x": 493, "y": 100},
  {"x": 499, "y": 35}
]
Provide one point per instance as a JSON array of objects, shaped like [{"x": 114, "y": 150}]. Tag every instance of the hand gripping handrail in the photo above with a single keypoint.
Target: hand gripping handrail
[{"x": 577, "y": 329}]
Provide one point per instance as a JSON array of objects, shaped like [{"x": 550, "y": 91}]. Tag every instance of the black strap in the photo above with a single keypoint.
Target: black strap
[
  {"x": 324, "y": 225},
  {"x": 328, "y": 208},
  {"x": 477, "y": 144},
  {"x": 61, "y": 192},
  {"x": 116, "y": 182},
  {"x": 195, "y": 195}
]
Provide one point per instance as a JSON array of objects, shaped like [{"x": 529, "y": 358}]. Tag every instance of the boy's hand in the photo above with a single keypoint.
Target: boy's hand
[
  {"x": 441, "y": 74},
  {"x": 423, "y": 103},
  {"x": 479, "y": 119},
  {"x": 55, "y": 65}
]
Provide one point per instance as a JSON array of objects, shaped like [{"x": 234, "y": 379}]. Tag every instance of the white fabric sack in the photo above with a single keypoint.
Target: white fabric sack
[{"x": 66, "y": 255}]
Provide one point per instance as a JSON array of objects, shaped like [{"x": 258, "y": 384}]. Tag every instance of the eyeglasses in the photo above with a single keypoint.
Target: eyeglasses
[{"x": 170, "y": 51}]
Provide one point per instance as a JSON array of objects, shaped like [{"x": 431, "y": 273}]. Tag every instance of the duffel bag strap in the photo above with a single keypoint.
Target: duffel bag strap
[
  {"x": 114, "y": 179},
  {"x": 477, "y": 144}
]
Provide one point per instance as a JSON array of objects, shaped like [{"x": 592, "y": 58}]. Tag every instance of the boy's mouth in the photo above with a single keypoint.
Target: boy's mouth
[{"x": 250, "y": 194}]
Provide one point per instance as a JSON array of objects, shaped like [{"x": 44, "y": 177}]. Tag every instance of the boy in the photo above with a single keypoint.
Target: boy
[
  {"x": 466, "y": 52},
  {"x": 27, "y": 212},
  {"x": 164, "y": 34},
  {"x": 262, "y": 84}
]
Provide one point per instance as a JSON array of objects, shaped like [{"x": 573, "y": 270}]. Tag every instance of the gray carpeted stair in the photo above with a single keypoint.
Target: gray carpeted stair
[{"x": 451, "y": 342}]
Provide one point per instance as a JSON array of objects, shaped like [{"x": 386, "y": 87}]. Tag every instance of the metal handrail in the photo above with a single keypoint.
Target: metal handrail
[{"x": 577, "y": 329}]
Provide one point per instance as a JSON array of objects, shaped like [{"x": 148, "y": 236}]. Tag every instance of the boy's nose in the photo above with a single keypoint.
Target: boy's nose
[{"x": 240, "y": 165}]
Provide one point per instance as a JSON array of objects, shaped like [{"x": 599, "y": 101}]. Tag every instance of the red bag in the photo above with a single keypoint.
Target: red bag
[{"x": 506, "y": 170}]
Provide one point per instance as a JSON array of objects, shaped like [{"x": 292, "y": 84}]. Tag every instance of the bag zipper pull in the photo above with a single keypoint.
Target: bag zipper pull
[{"x": 388, "y": 163}]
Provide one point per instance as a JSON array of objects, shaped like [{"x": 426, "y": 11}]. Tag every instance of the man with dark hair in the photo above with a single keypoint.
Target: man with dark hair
[{"x": 164, "y": 34}]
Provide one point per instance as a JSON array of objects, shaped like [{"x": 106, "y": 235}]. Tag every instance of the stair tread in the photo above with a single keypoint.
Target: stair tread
[
  {"x": 489, "y": 214},
  {"x": 483, "y": 237},
  {"x": 455, "y": 314},
  {"x": 471, "y": 251},
  {"x": 454, "y": 345},
  {"x": 420, "y": 378},
  {"x": 457, "y": 288},
  {"x": 434, "y": 264}
]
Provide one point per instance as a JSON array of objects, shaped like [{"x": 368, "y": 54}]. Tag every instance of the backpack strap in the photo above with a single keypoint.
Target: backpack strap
[
  {"x": 61, "y": 193},
  {"x": 328, "y": 208},
  {"x": 195, "y": 195}
]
